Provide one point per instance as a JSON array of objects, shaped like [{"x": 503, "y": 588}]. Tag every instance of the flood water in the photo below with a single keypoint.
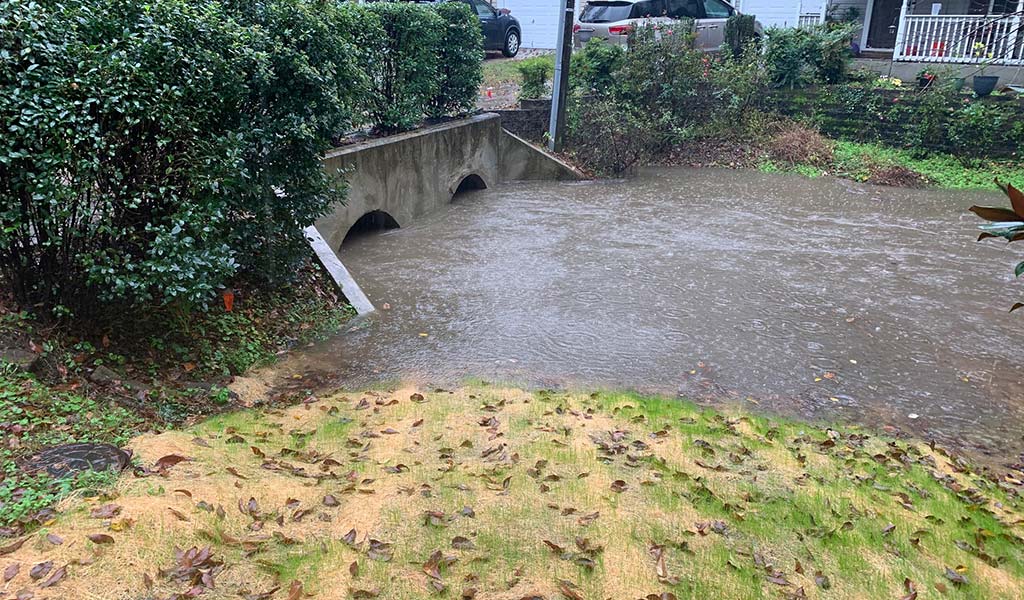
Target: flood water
[{"x": 822, "y": 299}]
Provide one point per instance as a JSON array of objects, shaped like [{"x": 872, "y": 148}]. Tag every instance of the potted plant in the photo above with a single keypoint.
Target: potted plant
[
  {"x": 925, "y": 77},
  {"x": 983, "y": 84}
]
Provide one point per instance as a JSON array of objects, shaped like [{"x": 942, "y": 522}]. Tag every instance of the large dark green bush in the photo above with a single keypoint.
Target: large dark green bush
[
  {"x": 154, "y": 152},
  {"x": 460, "y": 54},
  {"x": 404, "y": 67},
  {"x": 593, "y": 67},
  {"x": 123, "y": 152}
]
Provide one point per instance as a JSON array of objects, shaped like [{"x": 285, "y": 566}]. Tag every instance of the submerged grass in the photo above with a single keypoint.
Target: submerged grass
[{"x": 500, "y": 493}]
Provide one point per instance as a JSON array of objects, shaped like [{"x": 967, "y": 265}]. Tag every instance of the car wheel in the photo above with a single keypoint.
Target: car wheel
[{"x": 511, "y": 43}]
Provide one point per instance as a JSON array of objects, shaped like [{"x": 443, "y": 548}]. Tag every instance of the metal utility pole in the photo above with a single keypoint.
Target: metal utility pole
[{"x": 556, "y": 128}]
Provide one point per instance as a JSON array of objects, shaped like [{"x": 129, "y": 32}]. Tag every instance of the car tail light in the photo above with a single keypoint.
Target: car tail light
[
  {"x": 575, "y": 27},
  {"x": 620, "y": 30}
]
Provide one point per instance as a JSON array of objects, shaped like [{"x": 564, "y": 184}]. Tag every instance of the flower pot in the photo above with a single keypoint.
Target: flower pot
[{"x": 984, "y": 84}]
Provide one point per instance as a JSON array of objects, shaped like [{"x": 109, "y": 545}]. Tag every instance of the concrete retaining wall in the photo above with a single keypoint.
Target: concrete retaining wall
[{"x": 411, "y": 174}]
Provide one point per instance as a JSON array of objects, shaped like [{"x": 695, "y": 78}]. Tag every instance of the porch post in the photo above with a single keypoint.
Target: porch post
[
  {"x": 901, "y": 32},
  {"x": 1015, "y": 45}
]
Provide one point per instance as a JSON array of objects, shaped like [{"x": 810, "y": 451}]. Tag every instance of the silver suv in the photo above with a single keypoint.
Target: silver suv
[{"x": 613, "y": 20}]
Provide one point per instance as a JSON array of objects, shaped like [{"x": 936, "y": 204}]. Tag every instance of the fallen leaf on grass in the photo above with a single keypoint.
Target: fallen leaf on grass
[
  {"x": 54, "y": 578},
  {"x": 39, "y": 571},
  {"x": 570, "y": 590},
  {"x": 618, "y": 486},
  {"x": 295, "y": 590},
  {"x": 267, "y": 595},
  {"x": 330, "y": 500},
  {"x": 821, "y": 580},
  {"x": 178, "y": 514},
  {"x": 911, "y": 590},
  {"x": 107, "y": 511},
  {"x": 100, "y": 538},
  {"x": 365, "y": 593},
  {"x": 11, "y": 572},
  {"x": 462, "y": 543},
  {"x": 955, "y": 577},
  {"x": 166, "y": 462},
  {"x": 12, "y": 547},
  {"x": 353, "y": 569}
]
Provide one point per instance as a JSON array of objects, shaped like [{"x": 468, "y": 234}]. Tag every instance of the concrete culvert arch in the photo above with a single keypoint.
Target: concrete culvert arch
[
  {"x": 372, "y": 222},
  {"x": 470, "y": 183}
]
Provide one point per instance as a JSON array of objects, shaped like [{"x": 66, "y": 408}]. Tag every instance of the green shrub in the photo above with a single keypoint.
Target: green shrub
[
  {"x": 666, "y": 79},
  {"x": 405, "y": 64},
  {"x": 979, "y": 126},
  {"x": 797, "y": 57},
  {"x": 606, "y": 137},
  {"x": 739, "y": 33},
  {"x": 154, "y": 151},
  {"x": 535, "y": 73},
  {"x": 132, "y": 159},
  {"x": 460, "y": 53},
  {"x": 594, "y": 66},
  {"x": 830, "y": 51},
  {"x": 738, "y": 86}
]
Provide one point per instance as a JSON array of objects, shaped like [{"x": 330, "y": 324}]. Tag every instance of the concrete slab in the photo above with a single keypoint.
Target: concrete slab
[{"x": 342, "y": 278}]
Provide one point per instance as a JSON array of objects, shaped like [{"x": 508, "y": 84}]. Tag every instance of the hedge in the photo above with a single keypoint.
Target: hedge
[
  {"x": 154, "y": 153},
  {"x": 918, "y": 120}
]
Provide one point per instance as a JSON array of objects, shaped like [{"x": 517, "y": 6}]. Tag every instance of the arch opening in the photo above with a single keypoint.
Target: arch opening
[
  {"x": 470, "y": 183},
  {"x": 372, "y": 222}
]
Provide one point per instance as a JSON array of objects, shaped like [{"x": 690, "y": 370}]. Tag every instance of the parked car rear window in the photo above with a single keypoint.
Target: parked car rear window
[{"x": 606, "y": 12}]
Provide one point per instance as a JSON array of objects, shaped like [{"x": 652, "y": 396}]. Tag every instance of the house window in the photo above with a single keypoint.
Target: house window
[
  {"x": 716, "y": 9},
  {"x": 678, "y": 9}
]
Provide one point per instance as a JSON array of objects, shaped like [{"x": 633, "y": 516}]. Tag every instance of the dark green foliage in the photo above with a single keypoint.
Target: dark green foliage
[
  {"x": 593, "y": 67},
  {"x": 535, "y": 73},
  {"x": 797, "y": 57},
  {"x": 460, "y": 53},
  {"x": 739, "y": 33},
  {"x": 404, "y": 64},
  {"x": 153, "y": 152},
  {"x": 144, "y": 144},
  {"x": 607, "y": 137},
  {"x": 979, "y": 126},
  {"x": 666, "y": 79}
]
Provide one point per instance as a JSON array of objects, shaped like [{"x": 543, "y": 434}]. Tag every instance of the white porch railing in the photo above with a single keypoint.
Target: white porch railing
[
  {"x": 808, "y": 19},
  {"x": 991, "y": 39}
]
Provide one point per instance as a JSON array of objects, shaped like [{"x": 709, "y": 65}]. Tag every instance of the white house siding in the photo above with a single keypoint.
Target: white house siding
[
  {"x": 772, "y": 13},
  {"x": 539, "y": 19}
]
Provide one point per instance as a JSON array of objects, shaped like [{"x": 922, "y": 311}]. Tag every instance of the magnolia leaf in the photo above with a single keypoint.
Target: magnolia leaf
[
  {"x": 1016, "y": 306},
  {"x": 995, "y": 213},
  {"x": 1015, "y": 195}
]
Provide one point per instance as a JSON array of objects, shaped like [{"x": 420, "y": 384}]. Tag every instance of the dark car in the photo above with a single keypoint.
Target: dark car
[{"x": 502, "y": 32}]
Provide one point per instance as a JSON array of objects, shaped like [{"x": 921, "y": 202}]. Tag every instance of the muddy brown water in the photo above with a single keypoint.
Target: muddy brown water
[{"x": 821, "y": 299}]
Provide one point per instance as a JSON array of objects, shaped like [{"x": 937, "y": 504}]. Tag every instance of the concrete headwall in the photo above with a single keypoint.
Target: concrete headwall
[{"x": 411, "y": 174}]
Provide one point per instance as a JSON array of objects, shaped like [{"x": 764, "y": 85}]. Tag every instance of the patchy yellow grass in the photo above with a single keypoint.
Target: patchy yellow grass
[{"x": 519, "y": 495}]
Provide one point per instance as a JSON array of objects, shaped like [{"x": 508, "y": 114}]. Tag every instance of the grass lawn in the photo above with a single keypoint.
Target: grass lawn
[
  {"x": 860, "y": 162},
  {"x": 504, "y": 70},
  {"x": 504, "y": 494}
]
